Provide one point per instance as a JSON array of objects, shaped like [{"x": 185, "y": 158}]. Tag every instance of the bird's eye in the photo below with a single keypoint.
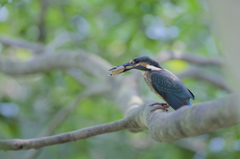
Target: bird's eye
[{"x": 135, "y": 61}]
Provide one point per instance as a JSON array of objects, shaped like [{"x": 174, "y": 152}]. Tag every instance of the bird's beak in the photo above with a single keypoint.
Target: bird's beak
[
  {"x": 125, "y": 65},
  {"x": 122, "y": 68}
]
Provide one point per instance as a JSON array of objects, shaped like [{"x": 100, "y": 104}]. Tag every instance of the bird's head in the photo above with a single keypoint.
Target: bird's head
[{"x": 143, "y": 63}]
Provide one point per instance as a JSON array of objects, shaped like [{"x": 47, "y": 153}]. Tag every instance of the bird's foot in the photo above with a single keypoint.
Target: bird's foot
[{"x": 162, "y": 106}]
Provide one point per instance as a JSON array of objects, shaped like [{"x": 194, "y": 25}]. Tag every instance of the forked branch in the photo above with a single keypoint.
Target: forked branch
[{"x": 163, "y": 127}]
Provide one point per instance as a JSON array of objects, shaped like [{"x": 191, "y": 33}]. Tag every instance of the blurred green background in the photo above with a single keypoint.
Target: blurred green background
[{"x": 116, "y": 31}]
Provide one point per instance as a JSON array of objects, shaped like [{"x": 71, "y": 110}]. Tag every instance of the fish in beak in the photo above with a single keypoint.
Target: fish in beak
[{"x": 121, "y": 68}]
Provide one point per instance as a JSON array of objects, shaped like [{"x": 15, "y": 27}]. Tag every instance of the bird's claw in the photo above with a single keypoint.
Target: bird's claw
[{"x": 162, "y": 106}]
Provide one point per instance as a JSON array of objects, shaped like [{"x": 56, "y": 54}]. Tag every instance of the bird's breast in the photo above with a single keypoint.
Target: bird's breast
[{"x": 147, "y": 78}]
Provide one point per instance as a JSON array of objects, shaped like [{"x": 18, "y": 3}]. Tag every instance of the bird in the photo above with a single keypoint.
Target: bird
[{"x": 162, "y": 82}]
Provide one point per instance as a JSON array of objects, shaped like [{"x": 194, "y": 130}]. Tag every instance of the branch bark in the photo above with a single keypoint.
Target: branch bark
[{"x": 199, "y": 119}]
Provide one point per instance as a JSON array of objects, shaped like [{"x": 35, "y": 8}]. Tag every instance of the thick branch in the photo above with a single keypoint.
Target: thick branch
[
  {"x": 163, "y": 127},
  {"x": 192, "y": 58},
  {"x": 62, "y": 60},
  {"x": 194, "y": 121}
]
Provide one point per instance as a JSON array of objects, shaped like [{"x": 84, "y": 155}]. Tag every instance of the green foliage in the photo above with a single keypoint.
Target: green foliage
[{"x": 117, "y": 31}]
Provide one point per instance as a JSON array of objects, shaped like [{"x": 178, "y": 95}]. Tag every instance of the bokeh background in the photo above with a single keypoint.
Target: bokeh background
[{"x": 116, "y": 31}]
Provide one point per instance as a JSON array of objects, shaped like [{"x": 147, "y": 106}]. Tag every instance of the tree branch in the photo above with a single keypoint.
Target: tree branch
[
  {"x": 34, "y": 47},
  {"x": 163, "y": 127},
  {"x": 89, "y": 63},
  {"x": 162, "y": 57},
  {"x": 21, "y": 144},
  {"x": 194, "y": 121},
  {"x": 62, "y": 114},
  {"x": 206, "y": 76},
  {"x": 192, "y": 58},
  {"x": 65, "y": 59},
  {"x": 42, "y": 15}
]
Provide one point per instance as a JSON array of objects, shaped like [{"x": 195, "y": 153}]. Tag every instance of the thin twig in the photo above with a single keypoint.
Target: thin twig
[{"x": 42, "y": 16}]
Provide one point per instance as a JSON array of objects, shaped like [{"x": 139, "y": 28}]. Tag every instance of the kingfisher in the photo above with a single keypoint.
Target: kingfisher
[{"x": 162, "y": 82}]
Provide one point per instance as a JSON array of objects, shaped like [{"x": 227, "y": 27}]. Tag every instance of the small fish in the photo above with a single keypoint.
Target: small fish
[{"x": 117, "y": 70}]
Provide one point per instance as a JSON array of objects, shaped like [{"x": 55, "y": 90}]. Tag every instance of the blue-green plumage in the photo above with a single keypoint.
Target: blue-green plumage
[{"x": 168, "y": 87}]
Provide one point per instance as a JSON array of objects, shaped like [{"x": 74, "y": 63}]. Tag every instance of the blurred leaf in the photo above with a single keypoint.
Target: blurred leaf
[{"x": 3, "y": 2}]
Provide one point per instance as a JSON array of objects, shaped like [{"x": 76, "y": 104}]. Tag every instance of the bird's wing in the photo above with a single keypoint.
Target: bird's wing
[{"x": 171, "y": 88}]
